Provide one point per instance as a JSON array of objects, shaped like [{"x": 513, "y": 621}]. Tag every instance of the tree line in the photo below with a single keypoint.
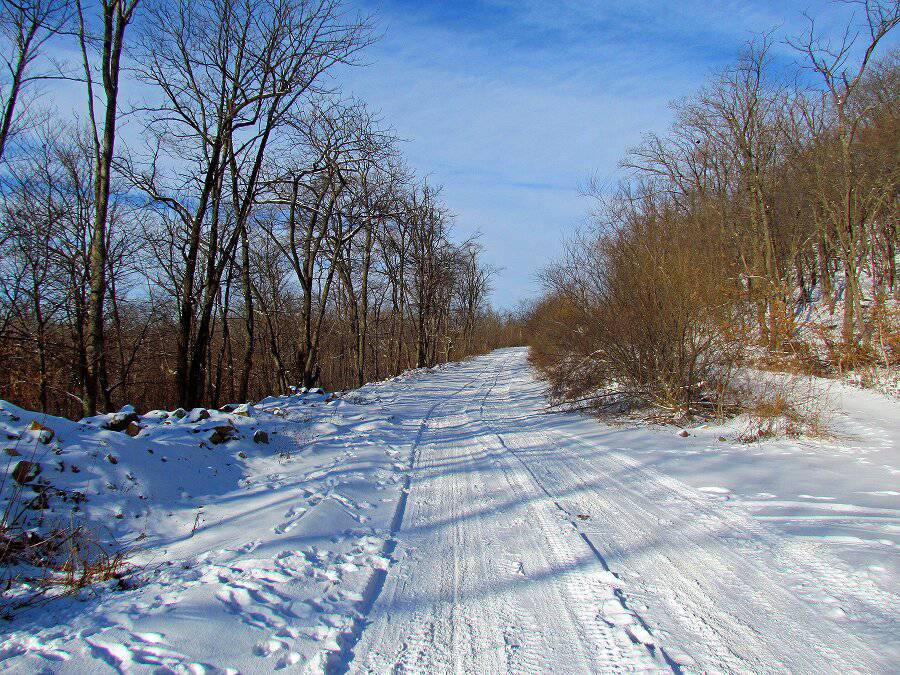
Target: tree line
[
  {"x": 231, "y": 227},
  {"x": 763, "y": 225}
]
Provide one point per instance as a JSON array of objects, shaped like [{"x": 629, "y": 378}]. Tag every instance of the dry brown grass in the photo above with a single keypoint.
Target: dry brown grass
[
  {"x": 84, "y": 561},
  {"x": 64, "y": 561},
  {"x": 785, "y": 407},
  {"x": 50, "y": 560}
]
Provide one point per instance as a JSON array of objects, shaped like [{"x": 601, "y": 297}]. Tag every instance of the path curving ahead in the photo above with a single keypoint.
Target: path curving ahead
[{"x": 525, "y": 544}]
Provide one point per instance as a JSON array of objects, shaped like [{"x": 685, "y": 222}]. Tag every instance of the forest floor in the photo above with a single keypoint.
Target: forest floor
[{"x": 446, "y": 520}]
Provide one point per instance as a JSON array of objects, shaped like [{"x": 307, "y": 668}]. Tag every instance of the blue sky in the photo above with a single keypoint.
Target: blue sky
[{"x": 512, "y": 105}]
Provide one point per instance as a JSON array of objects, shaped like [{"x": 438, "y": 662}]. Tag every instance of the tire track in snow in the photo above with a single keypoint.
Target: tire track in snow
[
  {"x": 723, "y": 603},
  {"x": 496, "y": 572},
  {"x": 338, "y": 661},
  {"x": 639, "y": 637},
  {"x": 479, "y": 590}
]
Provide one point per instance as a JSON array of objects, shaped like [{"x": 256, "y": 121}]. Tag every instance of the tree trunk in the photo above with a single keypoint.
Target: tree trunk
[{"x": 243, "y": 388}]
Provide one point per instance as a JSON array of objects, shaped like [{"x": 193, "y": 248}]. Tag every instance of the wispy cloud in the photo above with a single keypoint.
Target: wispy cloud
[{"x": 512, "y": 104}]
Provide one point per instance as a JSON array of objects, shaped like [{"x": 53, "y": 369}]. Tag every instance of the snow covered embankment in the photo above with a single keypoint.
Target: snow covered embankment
[{"x": 262, "y": 532}]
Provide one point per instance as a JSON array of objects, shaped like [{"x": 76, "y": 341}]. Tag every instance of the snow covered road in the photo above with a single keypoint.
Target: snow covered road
[
  {"x": 529, "y": 545},
  {"x": 445, "y": 521}
]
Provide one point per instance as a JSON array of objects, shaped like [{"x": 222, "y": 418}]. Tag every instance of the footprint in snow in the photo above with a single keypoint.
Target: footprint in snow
[
  {"x": 249, "y": 547},
  {"x": 715, "y": 490},
  {"x": 289, "y": 659},
  {"x": 269, "y": 647},
  {"x": 293, "y": 519}
]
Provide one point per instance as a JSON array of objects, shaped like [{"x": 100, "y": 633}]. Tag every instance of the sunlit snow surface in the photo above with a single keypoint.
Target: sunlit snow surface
[{"x": 445, "y": 521}]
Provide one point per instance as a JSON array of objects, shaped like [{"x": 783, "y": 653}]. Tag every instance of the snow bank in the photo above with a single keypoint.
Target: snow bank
[{"x": 269, "y": 524}]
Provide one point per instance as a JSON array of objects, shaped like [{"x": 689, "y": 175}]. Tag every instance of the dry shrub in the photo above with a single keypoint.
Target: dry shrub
[
  {"x": 640, "y": 316},
  {"x": 796, "y": 356},
  {"x": 846, "y": 356},
  {"x": 885, "y": 331},
  {"x": 561, "y": 346},
  {"x": 876, "y": 346},
  {"x": 880, "y": 378},
  {"x": 784, "y": 408},
  {"x": 51, "y": 560},
  {"x": 781, "y": 326}
]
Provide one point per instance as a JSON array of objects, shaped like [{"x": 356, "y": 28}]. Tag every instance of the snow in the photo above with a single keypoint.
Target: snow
[
  {"x": 835, "y": 492},
  {"x": 289, "y": 536},
  {"x": 446, "y": 520}
]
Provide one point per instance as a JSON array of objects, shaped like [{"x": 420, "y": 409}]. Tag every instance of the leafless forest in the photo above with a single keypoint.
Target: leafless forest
[
  {"x": 220, "y": 223},
  {"x": 761, "y": 229}
]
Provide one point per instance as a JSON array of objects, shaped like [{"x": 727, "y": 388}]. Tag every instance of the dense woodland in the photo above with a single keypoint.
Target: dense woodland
[
  {"x": 761, "y": 229},
  {"x": 251, "y": 229}
]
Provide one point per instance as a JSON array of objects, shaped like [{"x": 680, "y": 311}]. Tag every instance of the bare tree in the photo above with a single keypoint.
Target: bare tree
[
  {"x": 231, "y": 73},
  {"x": 842, "y": 76},
  {"x": 114, "y": 18},
  {"x": 279, "y": 238},
  {"x": 26, "y": 26}
]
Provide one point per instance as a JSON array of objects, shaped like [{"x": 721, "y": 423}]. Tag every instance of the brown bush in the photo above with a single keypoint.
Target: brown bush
[
  {"x": 784, "y": 407},
  {"x": 752, "y": 206},
  {"x": 639, "y": 316}
]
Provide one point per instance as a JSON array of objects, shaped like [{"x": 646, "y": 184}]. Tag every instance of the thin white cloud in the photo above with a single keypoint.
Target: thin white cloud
[{"x": 511, "y": 104}]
